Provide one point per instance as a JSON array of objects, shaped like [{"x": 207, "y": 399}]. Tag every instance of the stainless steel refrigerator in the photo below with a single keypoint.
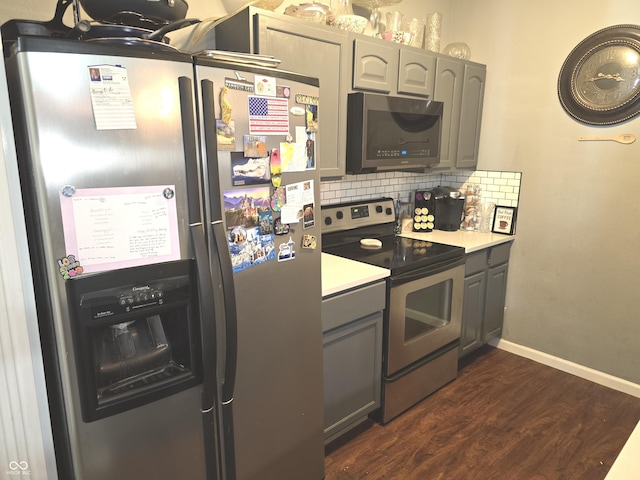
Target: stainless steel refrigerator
[{"x": 170, "y": 206}]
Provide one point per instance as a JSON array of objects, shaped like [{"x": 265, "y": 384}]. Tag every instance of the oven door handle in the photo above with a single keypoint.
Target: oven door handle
[{"x": 443, "y": 266}]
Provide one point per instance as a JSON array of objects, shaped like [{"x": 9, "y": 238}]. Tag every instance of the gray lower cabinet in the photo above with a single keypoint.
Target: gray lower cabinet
[
  {"x": 485, "y": 288},
  {"x": 307, "y": 48},
  {"x": 352, "y": 333}
]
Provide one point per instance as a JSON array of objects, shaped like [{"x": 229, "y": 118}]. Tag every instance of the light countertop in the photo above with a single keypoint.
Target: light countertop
[
  {"x": 339, "y": 274},
  {"x": 471, "y": 241}
]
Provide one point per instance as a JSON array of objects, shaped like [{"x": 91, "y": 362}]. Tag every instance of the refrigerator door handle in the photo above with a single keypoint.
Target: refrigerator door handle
[
  {"x": 190, "y": 146},
  {"x": 218, "y": 246},
  {"x": 205, "y": 282},
  {"x": 218, "y": 240}
]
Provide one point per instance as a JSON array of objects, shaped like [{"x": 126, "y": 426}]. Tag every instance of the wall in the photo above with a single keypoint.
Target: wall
[
  {"x": 26, "y": 445},
  {"x": 573, "y": 278}
]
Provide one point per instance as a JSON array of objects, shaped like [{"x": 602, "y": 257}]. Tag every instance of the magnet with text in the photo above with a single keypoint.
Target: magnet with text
[
  {"x": 309, "y": 241},
  {"x": 239, "y": 83}
]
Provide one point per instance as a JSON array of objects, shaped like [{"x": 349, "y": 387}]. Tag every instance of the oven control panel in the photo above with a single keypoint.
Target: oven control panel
[{"x": 346, "y": 216}]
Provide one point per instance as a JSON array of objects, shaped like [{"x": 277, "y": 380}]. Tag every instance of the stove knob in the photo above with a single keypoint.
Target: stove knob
[
  {"x": 379, "y": 208},
  {"x": 389, "y": 211},
  {"x": 339, "y": 214},
  {"x": 328, "y": 221}
]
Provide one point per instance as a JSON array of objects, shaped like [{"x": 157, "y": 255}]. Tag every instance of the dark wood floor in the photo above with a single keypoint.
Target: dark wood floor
[{"x": 504, "y": 417}]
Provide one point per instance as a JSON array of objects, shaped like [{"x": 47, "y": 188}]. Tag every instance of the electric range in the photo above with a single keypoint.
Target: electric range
[
  {"x": 424, "y": 294},
  {"x": 346, "y": 224}
]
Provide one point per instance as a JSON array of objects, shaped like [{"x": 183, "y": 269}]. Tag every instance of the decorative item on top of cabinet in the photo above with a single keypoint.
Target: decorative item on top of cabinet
[
  {"x": 485, "y": 289},
  {"x": 434, "y": 25},
  {"x": 458, "y": 50},
  {"x": 312, "y": 12},
  {"x": 373, "y": 6}
]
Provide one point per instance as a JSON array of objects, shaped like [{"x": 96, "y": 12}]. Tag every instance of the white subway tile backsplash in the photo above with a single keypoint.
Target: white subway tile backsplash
[{"x": 502, "y": 188}]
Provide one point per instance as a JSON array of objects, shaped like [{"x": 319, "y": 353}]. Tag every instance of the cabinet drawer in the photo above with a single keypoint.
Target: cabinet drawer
[
  {"x": 350, "y": 306},
  {"x": 499, "y": 254},
  {"x": 475, "y": 262}
]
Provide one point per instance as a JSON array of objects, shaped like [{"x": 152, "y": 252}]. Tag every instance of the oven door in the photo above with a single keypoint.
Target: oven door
[{"x": 424, "y": 313}]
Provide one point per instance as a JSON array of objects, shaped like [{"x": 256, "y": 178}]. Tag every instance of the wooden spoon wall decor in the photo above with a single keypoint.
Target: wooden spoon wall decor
[{"x": 625, "y": 138}]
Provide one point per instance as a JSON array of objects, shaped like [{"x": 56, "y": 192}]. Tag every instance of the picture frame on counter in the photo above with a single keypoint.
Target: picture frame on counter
[{"x": 504, "y": 220}]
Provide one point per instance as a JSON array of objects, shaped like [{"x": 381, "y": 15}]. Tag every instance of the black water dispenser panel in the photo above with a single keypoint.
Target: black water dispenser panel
[{"x": 136, "y": 336}]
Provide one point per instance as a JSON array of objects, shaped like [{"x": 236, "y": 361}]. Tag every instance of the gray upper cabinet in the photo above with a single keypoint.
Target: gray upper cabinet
[
  {"x": 460, "y": 85},
  {"x": 375, "y": 65},
  {"x": 346, "y": 62},
  {"x": 449, "y": 73},
  {"x": 416, "y": 72},
  {"x": 389, "y": 68},
  {"x": 470, "y": 115},
  {"x": 306, "y": 48}
]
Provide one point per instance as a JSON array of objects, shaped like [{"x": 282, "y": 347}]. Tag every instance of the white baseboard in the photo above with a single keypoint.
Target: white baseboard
[{"x": 581, "y": 371}]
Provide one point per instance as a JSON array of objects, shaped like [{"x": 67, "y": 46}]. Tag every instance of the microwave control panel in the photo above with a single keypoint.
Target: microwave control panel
[{"x": 385, "y": 152}]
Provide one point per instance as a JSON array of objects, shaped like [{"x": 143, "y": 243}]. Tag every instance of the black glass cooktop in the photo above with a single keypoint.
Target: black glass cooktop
[{"x": 398, "y": 254}]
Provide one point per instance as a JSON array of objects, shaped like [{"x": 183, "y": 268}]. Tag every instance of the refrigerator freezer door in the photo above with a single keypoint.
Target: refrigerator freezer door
[
  {"x": 273, "y": 418},
  {"x": 64, "y": 144}
]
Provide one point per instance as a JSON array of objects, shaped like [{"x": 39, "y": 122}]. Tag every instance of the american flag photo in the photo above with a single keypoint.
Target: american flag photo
[{"x": 268, "y": 116}]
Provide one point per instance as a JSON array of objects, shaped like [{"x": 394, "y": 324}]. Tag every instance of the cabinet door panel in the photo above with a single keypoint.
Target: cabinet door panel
[
  {"x": 375, "y": 66},
  {"x": 470, "y": 116},
  {"x": 496, "y": 294},
  {"x": 352, "y": 371},
  {"x": 416, "y": 74},
  {"x": 313, "y": 52},
  {"x": 448, "y": 89},
  {"x": 472, "y": 312}
]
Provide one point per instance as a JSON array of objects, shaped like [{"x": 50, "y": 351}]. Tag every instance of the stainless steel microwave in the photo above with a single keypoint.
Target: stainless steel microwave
[{"x": 386, "y": 133}]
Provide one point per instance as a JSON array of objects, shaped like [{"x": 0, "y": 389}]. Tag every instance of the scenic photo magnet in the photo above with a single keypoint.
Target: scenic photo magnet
[{"x": 249, "y": 171}]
